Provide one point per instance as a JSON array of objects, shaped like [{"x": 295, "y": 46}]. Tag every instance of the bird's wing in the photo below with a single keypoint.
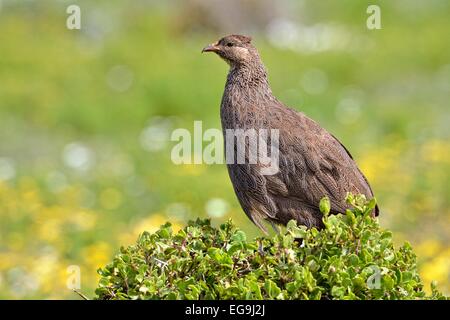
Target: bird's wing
[
  {"x": 362, "y": 174},
  {"x": 313, "y": 164}
]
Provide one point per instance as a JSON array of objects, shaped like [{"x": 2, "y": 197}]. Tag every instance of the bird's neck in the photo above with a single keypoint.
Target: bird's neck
[
  {"x": 249, "y": 79},
  {"x": 247, "y": 91}
]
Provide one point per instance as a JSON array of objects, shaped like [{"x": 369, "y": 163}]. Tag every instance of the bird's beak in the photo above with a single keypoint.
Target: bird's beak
[{"x": 211, "y": 48}]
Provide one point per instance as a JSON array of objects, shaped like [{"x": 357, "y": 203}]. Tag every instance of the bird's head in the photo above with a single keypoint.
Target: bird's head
[{"x": 234, "y": 49}]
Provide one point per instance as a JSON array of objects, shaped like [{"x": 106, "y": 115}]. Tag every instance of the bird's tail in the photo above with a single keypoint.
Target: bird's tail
[{"x": 377, "y": 211}]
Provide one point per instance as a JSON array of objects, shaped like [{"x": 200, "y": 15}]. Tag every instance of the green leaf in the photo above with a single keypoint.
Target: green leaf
[
  {"x": 325, "y": 205},
  {"x": 351, "y": 258},
  {"x": 337, "y": 292},
  {"x": 272, "y": 289},
  {"x": 239, "y": 237},
  {"x": 371, "y": 204},
  {"x": 215, "y": 254},
  {"x": 296, "y": 231},
  {"x": 387, "y": 282}
]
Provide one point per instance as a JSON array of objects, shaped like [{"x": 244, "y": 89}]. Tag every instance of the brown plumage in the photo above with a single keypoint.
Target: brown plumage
[{"x": 312, "y": 162}]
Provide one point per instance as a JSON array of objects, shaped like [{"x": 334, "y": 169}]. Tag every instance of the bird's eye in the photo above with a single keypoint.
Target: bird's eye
[{"x": 229, "y": 44}]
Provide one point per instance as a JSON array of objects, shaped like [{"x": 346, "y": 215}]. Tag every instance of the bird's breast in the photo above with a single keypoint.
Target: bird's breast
[{"x": 240, "y": 109}]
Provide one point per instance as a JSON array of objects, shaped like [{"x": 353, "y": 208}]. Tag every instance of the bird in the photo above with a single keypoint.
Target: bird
[{"x": 313, "y": 163}]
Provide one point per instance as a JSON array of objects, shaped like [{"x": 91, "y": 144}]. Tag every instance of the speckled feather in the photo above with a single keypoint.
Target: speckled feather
[{"x": 312, "y": 162}]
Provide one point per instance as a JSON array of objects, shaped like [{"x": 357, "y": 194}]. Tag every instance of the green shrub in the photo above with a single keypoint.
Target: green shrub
[{"x": 351, "y": 258}]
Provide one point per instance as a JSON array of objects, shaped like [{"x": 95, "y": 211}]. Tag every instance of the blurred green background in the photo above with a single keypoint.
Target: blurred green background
[{"x": 86, "y": 117}]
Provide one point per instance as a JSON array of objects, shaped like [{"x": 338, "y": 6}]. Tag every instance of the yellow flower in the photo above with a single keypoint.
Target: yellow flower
[
  {"x": 437, "y": 269},
  {"x": 84, "y": 219},
  {"x": 111, "y": 198},
  {"x": 150, "y": 224},
  {"x": 436, "y": 151},
  {"x": 44, "y": 269},
  {"x": 50, "y": 229},
  {"x": 428, "y": 248},
  {"x": 96, "y": 255},
  {"x": 191, "y": 169},
  {"x": 7, "y": 260}
]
